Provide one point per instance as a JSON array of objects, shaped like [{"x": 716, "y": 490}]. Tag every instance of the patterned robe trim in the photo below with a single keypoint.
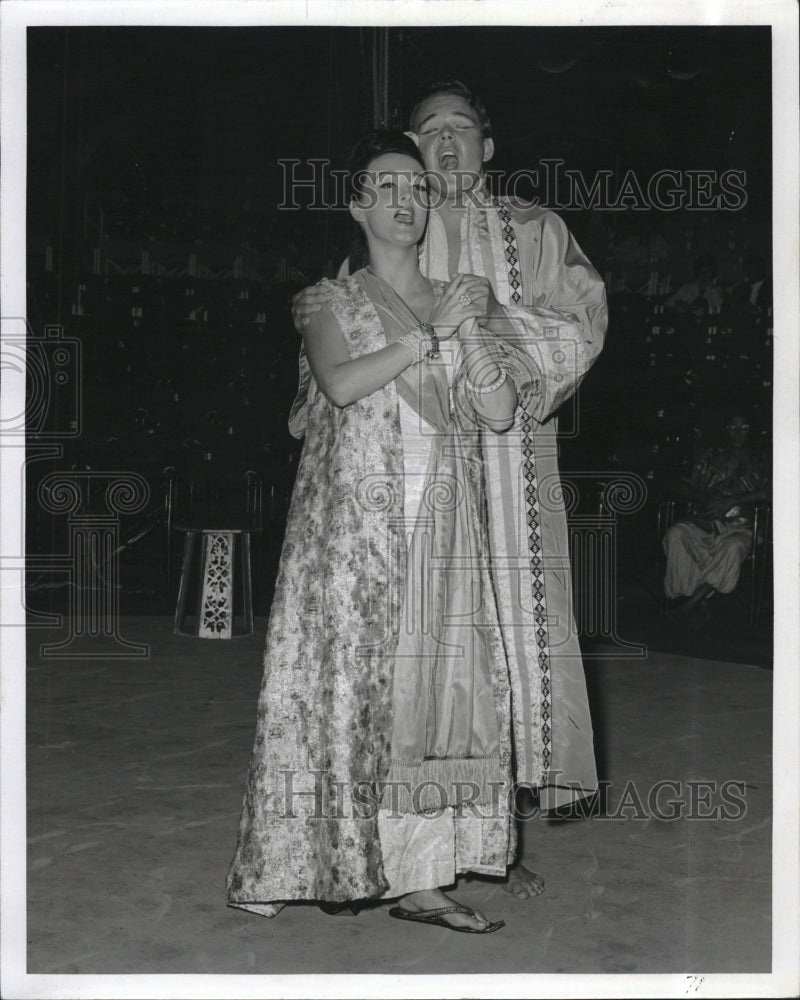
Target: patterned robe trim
[
  {"x": 533, "y": 742},
  {"x": 535, "y": 555},
  {"x": 513, "y": 293}
]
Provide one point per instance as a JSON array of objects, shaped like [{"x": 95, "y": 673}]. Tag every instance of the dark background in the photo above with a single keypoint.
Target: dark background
[
  {"x": 156, "y": 240},
  {"x": 150, "y": 114}
]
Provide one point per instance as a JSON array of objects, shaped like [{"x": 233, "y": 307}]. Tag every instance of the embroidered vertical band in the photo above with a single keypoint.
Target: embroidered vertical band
[
  {"x": 511, "y": 251},
  {"x": 535, "y": 552}
]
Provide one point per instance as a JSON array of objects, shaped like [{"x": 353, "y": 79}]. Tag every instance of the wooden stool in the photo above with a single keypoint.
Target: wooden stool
[{"x": 215, "y": 582}]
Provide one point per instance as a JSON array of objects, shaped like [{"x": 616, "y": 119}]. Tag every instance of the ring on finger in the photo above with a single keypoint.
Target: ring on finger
[{"x": 465, "y": 299}]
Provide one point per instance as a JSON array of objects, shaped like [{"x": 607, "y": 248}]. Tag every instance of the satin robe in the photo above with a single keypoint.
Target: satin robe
[{"x": 558, "y": 287}]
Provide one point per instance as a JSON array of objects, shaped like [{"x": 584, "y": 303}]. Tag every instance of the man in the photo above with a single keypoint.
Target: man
[
  {"x": 521, "y": 256},
  {"x": 705, "y": 551}
]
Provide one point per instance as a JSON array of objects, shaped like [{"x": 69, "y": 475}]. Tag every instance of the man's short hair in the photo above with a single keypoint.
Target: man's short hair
[{"x": 449, "y": 85}]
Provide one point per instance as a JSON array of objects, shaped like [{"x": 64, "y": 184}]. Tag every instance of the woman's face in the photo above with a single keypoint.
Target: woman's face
[{"x": 392, "y": 205}]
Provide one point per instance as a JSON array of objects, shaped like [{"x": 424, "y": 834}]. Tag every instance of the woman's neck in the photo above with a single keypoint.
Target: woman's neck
[{"x": 398, "y": 267}]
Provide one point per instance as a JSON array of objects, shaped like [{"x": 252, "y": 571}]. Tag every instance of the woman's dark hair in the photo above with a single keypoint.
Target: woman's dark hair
[
  {"x": 449, "y": 85},
  {"x": 369, "y": 147}
]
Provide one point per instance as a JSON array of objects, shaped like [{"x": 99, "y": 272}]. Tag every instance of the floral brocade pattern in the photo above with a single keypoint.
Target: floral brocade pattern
[{"x": 324, "y": 712}]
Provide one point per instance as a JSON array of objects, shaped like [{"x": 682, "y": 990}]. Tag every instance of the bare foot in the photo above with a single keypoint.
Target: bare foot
[
  {"x": 434, "y": 899},
  {"x": 523, "y": 883}
]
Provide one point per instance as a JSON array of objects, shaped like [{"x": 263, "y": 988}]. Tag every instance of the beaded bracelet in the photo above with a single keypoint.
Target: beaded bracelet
[
  {"x": 421, "y": 341},
  {"x": 492, "y": 386},
  {"x": 416, "y": 343},
  {"x": 429, "y": 332}
]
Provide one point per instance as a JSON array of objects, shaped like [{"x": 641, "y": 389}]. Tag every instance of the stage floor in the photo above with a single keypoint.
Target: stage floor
[{"x": 136, "y": 769}]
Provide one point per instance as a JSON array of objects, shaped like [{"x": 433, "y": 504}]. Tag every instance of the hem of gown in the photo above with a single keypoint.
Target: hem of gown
[
  {"x": 488, "y": 870},
  {"x": 428, "y": 881},
  {"x": 261, "y": 909},
  {"x": 445, "y": 884},
  {"x": 558, "y": 796}
]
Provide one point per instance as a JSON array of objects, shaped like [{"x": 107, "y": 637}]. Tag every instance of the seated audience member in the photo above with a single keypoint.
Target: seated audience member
[
  {"x": 700, "y": 295},
  {"x": 705, "y": 550}
]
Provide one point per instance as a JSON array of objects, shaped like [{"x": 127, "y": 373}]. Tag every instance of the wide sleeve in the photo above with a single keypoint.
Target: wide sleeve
[
  {"x": 550, "y": 344},
  {"x": 565, "y": 281},
  {"x": 542, "y": 351}
]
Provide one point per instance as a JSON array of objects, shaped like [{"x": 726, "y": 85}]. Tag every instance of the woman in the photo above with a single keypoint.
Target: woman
[{"x": 381, "y": 766}]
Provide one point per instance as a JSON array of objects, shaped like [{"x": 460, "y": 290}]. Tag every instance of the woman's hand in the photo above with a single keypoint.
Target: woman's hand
[
  {"x": 455, "y": 306},
  {"x": 482, "y": 294}
]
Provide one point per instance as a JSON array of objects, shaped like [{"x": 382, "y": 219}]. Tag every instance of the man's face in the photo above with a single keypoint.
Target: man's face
[{"x": 451, "y": 141}]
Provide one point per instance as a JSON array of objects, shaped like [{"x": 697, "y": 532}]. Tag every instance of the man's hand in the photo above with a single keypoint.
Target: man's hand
[
  {"x": 306, "y": 302},
  {"x": 482, "y": 294}
]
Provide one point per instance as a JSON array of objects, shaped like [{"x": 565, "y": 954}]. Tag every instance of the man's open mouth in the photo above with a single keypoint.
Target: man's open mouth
[{"x": 448, "y": 160}]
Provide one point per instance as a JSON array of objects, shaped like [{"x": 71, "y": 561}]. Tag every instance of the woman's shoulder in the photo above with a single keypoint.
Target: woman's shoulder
[
  {"x": 337, "y": 285},
  {"x": 346, "y": 303},
  {"x": 338, "y": 290}
]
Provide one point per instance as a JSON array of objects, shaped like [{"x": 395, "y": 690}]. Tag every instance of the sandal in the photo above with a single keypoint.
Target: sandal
[{"x": 435, "y": 917}]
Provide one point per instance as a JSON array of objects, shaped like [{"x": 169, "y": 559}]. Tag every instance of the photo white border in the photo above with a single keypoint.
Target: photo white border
[{"x": 15, "y": 16}]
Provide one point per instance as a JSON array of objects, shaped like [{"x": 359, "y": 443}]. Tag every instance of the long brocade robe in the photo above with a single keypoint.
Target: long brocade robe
[{"x": 538, "y": 270}]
